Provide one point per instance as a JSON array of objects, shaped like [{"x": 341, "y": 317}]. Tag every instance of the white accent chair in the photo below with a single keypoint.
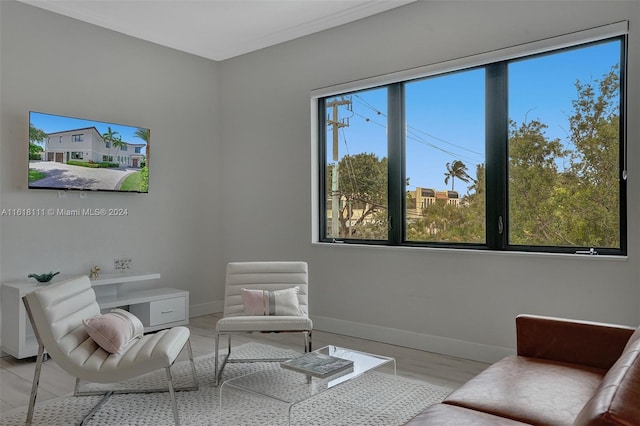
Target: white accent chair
[
  {"x": 56, "y": 312},
  {"x": 269, "y": 276}
]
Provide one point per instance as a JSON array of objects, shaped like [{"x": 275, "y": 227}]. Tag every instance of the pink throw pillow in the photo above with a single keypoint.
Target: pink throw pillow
[
  {"x": 115, "y": 330},
  {"x": 264, "y": 302}
]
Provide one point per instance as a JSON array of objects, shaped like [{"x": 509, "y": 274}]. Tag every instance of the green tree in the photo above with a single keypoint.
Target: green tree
[
  {"x": 36, "y": 137},
  {"x": 443, "y": 222},
  {"x": 593, "y": 198},
  {"x": 474, "y": 207},
  {"x": 363, "y": 196},
  {"x": 577, "y": 206},
  {"x": 437, "y": 221},
  {"x": 145, "y": 135},
  {"x": 533, "y": 178},
  {"x": 457, "y": 169},
  {"x": 476, "y": 193}
]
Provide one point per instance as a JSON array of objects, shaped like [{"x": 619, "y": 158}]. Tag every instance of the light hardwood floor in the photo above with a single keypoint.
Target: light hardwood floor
[{"x": 16, "y": 375}]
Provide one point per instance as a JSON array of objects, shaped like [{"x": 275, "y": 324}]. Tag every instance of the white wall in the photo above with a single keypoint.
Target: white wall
[
  {"x": 245, "y": 191},
  {"x": 451, "y": 301},
  {"x": 175, "y": 228}
]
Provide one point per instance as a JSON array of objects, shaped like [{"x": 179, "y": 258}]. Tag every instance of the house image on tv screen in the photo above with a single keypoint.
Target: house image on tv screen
[{"x": 87, "y": 145}]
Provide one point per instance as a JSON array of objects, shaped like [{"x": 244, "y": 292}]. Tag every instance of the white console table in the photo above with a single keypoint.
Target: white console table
[{"x": 157, "y": 308}]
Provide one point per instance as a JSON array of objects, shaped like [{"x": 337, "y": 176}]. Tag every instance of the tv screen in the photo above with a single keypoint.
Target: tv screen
[{"x": 67, "y": 153}]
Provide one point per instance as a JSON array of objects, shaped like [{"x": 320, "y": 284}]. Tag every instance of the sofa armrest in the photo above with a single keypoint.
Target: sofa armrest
[{"x": 591, "y": 344}]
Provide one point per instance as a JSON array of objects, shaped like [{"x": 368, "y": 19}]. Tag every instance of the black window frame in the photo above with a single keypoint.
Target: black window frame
[{"x": 496, "y": 129}]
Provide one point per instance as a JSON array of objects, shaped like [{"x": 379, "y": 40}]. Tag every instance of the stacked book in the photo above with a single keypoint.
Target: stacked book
[{"x": 318, "y": 365}]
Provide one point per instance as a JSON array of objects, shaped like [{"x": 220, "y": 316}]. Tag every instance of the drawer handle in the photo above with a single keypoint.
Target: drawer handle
[{"x": 166, "y": 312}]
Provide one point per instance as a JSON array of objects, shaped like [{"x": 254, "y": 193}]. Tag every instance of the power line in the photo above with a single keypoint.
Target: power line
[
  {"x": 419, "y": 139},
  {"x": 416, "y": 130},
  {"x": 349, "y": 163}
]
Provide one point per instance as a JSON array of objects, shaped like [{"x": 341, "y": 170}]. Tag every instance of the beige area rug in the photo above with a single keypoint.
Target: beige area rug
[{"x": 373, "y": 399}]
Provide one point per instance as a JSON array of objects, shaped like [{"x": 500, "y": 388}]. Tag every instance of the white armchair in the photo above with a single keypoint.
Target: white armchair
[
  {"x": 57, "y": 312},
  {"x": 268, "y": 277}
]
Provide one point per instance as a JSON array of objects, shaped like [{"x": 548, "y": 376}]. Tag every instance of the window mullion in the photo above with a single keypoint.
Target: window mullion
[
  {"x": 395, "y": 143},
  {"x": 623, "y": 145},
  {"x": 322, "y": 168},
  {"x": 497, "y": 120}
]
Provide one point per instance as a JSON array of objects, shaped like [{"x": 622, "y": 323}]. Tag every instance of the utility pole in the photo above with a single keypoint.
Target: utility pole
[{"x": 335, "y": 196}]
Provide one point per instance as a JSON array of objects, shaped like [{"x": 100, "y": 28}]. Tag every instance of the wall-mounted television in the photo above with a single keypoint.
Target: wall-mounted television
[{"x": 67, "y": 153}]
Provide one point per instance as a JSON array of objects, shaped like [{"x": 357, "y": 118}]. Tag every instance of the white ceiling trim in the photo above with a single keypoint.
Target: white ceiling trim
[
  {"x": 361, "y": 10},
  {"x": 183, "y": 24}
]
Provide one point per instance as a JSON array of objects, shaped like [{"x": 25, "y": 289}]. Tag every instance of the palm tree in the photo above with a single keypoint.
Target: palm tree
[
  {"x": 477, "y": 187},
  {"x": 457, "y": 169},
  {"x": 145, "y": 135},
  {"x": 117, "y": 144},
  {"x": 109, "y": 136}
]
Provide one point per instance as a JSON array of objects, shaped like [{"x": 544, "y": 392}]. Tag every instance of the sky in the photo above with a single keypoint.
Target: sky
[
  {"x": 445, "y": 114},
  {"x": 51, "y": 123}
]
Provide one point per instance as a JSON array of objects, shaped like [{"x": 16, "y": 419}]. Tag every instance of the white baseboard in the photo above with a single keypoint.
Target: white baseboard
[
  {"x": 410, "y": 339},
  {"x": 206, "y": 308}
]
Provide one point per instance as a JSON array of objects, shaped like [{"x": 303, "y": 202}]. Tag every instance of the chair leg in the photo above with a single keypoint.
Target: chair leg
[
  {"x": 172, "y": 394},
  {"x": 215, "y": 362},
  {"x": 307, "y": 341},
  {"x": 193, "y": 366},
  {"x": 218, "y": 372},
  {"x": 34, "y": 385},
  {"x": 96, "y": 407},
  {"x": 106, "y": 394}
]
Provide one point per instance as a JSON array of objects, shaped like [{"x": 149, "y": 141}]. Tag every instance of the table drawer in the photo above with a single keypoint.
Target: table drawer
[
  {"x": 167, "y": 310},
  {"x": 171, "y": 309}
]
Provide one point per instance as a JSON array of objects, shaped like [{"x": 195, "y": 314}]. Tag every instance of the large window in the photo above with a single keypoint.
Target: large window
[
  {"x": 564, "y": 170},
  {"x": 444, "y": 154},
  {"x": 356, "y": 166},
  {"x": 523, "y": 154}
]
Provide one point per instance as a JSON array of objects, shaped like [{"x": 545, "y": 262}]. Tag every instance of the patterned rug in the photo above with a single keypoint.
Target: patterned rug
[{"x": 373, "y": 399}]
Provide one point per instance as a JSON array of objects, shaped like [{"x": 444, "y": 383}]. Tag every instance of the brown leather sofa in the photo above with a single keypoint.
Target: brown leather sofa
[{"x": 566, "y": 372}]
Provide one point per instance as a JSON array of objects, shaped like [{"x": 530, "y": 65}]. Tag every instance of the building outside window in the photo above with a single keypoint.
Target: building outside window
[
  {"x": 76, "y": 155},
  {"x": 77, "y": 138}
]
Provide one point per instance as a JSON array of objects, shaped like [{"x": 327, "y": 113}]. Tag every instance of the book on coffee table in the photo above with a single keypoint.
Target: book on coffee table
[{"x": 318, "y": 365}]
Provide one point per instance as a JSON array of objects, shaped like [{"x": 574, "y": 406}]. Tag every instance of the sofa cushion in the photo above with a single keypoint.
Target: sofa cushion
[
  {"x": 633, "y": 339},
  {"x": 530, "y": 390},
  {"x": 591, "y": 344},
  {"x": 451, "y": 415},
  {"x": 617, "y": 399}
]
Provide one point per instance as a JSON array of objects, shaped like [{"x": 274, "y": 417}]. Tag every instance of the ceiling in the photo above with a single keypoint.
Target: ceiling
[{"x": 217, "y": 29}]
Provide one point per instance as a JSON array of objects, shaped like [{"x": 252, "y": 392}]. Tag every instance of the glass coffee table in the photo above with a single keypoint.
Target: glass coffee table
[{"x": 291, "y": 387}]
